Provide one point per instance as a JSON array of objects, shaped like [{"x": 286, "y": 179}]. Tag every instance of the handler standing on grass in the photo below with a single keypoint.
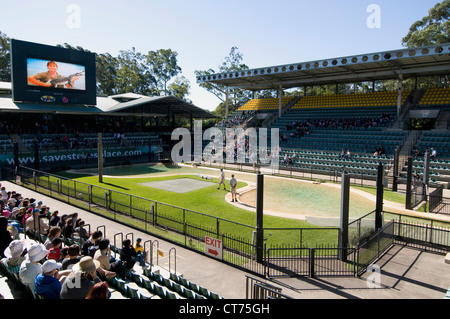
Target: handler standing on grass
[
  {"x": 233, "y": 184},
  {"x": 222, "y": 179}
]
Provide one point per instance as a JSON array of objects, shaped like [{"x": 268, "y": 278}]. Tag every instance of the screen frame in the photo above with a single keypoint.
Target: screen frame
[{"x": 21, "y": 51}]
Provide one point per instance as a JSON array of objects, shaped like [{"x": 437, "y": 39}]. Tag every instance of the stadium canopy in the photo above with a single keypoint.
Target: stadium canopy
[
  {"x": 387, "y": 65},
  {"x": 128, "y": 104}
]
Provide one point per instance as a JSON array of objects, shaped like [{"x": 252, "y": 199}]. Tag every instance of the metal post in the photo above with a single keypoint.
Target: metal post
[
  {"x": 280, "y": 100},
  {"x": 312, "y": 254},
  {"x": 259, "y": 217},
  {"x": 426, "y": 172},
  {"x": 226, "y": 102},
  {"x": 100, "y": 157},
  {"x": 345, "y": 201},
  {"x": 16, "y": 155},
  {"x": 36, "y": 154},
  {"x": 399, "y": 97},
  {"x": 379, "y": 200},
  {"x": 396, "y": 166},
  {"x": 408, "y": 184}
]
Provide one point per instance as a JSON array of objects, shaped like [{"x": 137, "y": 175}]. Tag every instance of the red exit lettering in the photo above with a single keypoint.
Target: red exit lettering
[{"x": 213, "y": 242}]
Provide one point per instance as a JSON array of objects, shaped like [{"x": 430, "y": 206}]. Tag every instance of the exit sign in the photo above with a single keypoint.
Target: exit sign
[{"x": 213, "y": 247}]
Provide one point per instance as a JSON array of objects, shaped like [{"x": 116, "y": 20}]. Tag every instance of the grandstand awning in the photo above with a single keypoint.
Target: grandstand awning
[
  {"x": 128, "y": 104},
  {"x": 387, "y": 65},
  {"x": 157, "y": 105}
]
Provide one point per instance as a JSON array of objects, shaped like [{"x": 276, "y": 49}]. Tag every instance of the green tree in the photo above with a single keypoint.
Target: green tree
[
  {"x": 164, "y": 66},
  {"x": 236, "y": 97},
  {"x": 133, "y": 74},
  {"x": 106, "y": 73},
  {"x": 180, "y": 88},
  {"x": 5, "y": 58},
  {"x": 432, "y": 29}
]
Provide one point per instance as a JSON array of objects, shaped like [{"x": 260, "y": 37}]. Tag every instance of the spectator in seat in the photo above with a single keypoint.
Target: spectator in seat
[
  {"x": 92, "y": 241},
  {"x": 83, "y": 277},
  {"x": 129, "y": 256},
  {"x": 103, "y": 255},
  {"x": 54, "y": 232},
  {"x": 433, "y": 153},
  {"x": 48, "y": 282},
  {"x": 31, "y": 266},
  {"x": 73, "y": 257},
  {"x": 14, "y": 256},
  {"x": 99, "y": 291},
  {"x": 36, "y": 223}
]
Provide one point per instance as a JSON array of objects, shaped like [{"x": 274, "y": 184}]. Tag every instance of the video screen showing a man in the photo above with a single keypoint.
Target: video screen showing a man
[{"x": 52, "y": 74}]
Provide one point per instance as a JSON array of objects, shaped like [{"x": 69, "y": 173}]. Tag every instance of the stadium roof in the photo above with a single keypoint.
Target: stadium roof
[
  {"x": 387, "y": 65},
  {"x": 122, "y": 104}
]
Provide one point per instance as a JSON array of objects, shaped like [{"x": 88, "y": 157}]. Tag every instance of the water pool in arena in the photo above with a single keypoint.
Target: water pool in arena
[{"x": 289, "y": 197}]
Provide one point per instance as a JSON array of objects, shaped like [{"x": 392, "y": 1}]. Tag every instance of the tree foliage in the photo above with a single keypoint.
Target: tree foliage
[
  {"x": 236, "y": 97},
  {"x": 5, "y": 58},
  {"x": 163, "y": 64},
  {"x": 432, "y": 29}
]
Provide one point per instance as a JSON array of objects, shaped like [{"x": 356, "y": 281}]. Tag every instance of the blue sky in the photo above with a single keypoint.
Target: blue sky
[{"x": 266, "y": 32}]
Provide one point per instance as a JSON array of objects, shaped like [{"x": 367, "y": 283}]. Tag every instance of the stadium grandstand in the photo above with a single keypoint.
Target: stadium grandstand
[
  {"x": 136, "y": 127},
  {"x": 324, "y": 135},
  {"x": 354, "y": 131}
]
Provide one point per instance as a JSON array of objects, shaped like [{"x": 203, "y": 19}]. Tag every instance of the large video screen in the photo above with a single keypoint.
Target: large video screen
[
  {"x": 55, "y": 74},
  {"x": 45, "y": 74}
]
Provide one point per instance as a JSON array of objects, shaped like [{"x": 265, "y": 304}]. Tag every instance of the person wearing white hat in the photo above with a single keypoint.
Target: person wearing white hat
[
  {"x": 31, "y": 266},
  {"x": 14, "y": 257},
  {"x": 47, "y": 283}
]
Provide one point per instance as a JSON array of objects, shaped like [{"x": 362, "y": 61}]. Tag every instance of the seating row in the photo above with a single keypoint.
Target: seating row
[
  {"x": 436, "y": 96},
  {"x": 264, "y": 104},
  {"x": 147, "y": 285},
  {"x": 371, "y": 99}
]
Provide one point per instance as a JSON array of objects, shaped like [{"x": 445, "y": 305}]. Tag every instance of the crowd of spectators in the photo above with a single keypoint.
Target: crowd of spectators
[
  {"x": 58, "y": 268},
  {"x": 236, "y": 120},
  {"x": 301, "y": 128}
]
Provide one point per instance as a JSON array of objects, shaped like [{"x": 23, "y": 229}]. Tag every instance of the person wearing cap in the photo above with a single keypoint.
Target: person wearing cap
[
  {"x": 14, "y": 212},
  {"x": 83, "y": 277},
  {"x": 11, "y": 203},
  {"x": 14, "y": 256},
  {"x": 47, "y": 282},
  {"x": 31, "y": 266}
]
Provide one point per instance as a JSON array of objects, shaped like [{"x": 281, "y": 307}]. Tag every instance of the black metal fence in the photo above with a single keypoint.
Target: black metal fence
[
  {"x": 168, "y": 221},
  {"x": 311, "y": 262},
  {"x": 437, "y": 203},
  {"x": 303, "y": 259}
]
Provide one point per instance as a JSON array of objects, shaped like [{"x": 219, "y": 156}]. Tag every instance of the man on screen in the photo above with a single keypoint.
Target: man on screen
[{"x": 46, "y": 78}]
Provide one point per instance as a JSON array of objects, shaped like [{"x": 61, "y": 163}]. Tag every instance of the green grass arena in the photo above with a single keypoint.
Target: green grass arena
[{"x": 289, "y": 204}]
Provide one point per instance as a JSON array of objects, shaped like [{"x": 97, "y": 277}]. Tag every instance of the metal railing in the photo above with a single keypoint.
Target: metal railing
[{"x": 305, "y": 259}]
